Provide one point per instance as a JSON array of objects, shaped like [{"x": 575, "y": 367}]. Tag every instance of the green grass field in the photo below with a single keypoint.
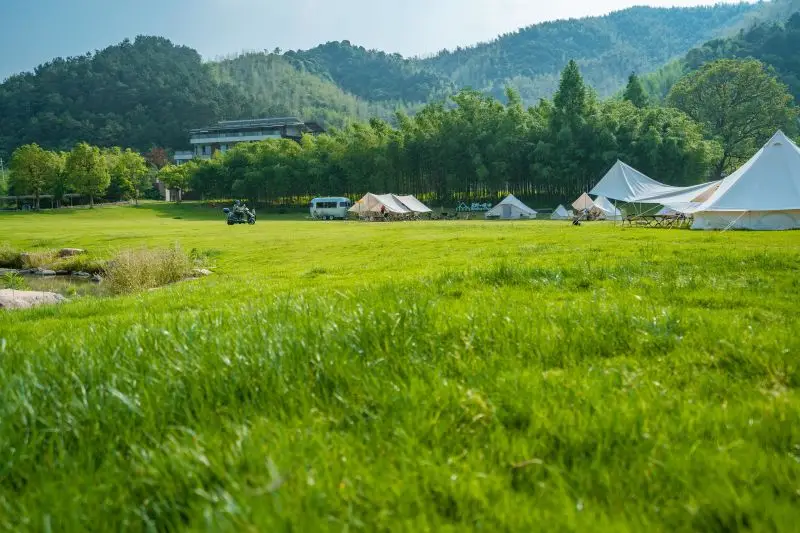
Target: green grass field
[{"x": 445, "y": 376}]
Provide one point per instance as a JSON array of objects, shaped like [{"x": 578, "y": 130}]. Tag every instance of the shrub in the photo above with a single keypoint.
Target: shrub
[
  {"x": 9, "y": 258},
  {"x": 12, "y": 280},
  {"x": 135, "y": 270},
  {"x": 39, "y": 259}
]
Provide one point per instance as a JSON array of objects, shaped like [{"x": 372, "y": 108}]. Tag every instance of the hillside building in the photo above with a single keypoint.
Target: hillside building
[{"x": 227, "y": 134}]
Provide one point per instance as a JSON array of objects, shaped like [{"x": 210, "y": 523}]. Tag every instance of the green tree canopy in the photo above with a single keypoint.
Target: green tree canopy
[
  {"x": 178, "y": 177},
  {"x": 87, "y": 169},
  {"x": 30, "y": 170},
  {"x": 740, "y": 104}
]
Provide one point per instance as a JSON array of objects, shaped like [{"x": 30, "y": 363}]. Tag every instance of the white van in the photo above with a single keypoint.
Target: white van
[{"x": 330, "y": 208}]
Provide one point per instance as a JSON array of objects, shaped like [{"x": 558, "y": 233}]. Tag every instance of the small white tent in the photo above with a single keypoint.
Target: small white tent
[
  {"x": 762, "y": 195},
  {"x": 609, "y": 212},
  {"x": 414, "y": 205},
  {"x": 584, "y": 203},
  {"x": 561, "y": 213},
  {"x": 511, "y": 208}
]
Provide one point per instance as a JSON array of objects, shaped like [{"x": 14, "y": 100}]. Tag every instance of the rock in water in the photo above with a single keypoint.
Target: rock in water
[
  {"x": 69, "y": 252},
  {"x": 11, "y": 299},
  {"x": 97, "y": 278},
  {"x": 43, "y": 272},
  {"x": 81, "y": 274}
]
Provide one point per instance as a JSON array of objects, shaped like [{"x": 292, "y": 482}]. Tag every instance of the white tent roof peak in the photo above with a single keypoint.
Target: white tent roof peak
[
  {"x": 583, "y": 202},
  {"x": 560, "y": 213}
]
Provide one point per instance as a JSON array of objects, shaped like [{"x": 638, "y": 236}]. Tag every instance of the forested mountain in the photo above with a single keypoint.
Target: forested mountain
[
  {"x": 133, "y": 94},
  {"x": 775, "y": 44},
  {"x": 372, "y": 74},
  {"x": 278, "y": 88},
  {"x": 607, "y": 48}
]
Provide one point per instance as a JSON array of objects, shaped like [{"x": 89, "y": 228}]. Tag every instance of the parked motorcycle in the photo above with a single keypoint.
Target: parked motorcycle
[{"x": 248, "y": 217}]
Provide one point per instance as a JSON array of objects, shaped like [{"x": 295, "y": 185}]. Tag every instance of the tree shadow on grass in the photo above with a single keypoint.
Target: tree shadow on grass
[{"x": 184, "y": 211}]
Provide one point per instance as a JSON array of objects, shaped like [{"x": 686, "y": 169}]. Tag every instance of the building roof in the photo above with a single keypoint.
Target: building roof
[{"x": 260, "y": 123}]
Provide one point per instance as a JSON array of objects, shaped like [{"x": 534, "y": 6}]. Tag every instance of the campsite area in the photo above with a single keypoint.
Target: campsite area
[{"x": 444, "y": 375}]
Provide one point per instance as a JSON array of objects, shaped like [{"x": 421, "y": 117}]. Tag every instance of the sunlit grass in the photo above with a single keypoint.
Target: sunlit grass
[{"x": 414, "y": 376}]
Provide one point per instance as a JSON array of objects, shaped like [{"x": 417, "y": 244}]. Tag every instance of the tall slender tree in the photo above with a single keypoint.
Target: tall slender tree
[{"x": 634, "y": 92}]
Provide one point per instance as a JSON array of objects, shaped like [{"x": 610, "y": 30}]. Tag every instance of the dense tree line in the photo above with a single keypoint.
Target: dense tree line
[
  {"x": 86, "y": 170},
  {"x": 473, "y": 147}
]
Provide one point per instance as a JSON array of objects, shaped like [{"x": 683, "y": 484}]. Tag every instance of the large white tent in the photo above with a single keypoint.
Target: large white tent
[
  {"x": 624, "y": 183},
  {"x": 609, "y": 212},
  {"x": 762, "y": 195},
  {"x": 414, "y": 205},
  {"x": 511, "y": 208},
  {"x": 373, "y": 204},
  {"x": 561, "y": 213}
]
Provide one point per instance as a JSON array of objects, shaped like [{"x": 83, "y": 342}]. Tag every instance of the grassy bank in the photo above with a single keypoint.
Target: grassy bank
[{"x": 443, "y": 376}]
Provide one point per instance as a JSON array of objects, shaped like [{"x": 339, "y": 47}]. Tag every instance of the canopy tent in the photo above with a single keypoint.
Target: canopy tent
[
  {"x": 379, "y": 203},
  {"x": 414, "y": 205},
  {"x": 624, "y": 183},
  {"x": 584, "y": 203},
  {"x": 764, "y": 194},
  {"x": 609, "y": 212},
  {"x": 511, "y": 208},
  {"x": 561, "y": 213},
  {"x": 667, "y": 212}
]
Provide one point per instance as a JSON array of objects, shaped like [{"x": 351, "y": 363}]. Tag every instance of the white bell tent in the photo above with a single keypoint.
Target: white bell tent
[
  {"x": 561, "y": 213},
  {"x": 608, "y": 210},
  {"x": 764, "y": 194},
  {"x": 510, "y": 209}
]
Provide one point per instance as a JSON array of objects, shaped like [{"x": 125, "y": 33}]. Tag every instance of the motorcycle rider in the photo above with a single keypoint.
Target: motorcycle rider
[{"x": 240, "y": 210}]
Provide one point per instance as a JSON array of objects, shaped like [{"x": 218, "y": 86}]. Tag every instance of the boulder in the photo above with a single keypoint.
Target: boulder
[
  {"x": 200, "y": 272},
  {"x": 62, "y": 272},
  {"x": 69, "y": 252},
  {"x": 97, "y": 278},
  {"x": 81, "y": 274},
  {"x": 43, "y": 272},
  {"x": 4, "y": 271},
  {"x": 11, "y": 299}
]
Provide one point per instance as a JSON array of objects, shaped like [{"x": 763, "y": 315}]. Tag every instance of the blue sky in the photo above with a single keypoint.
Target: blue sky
[{"x": 35, "y": 31}]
